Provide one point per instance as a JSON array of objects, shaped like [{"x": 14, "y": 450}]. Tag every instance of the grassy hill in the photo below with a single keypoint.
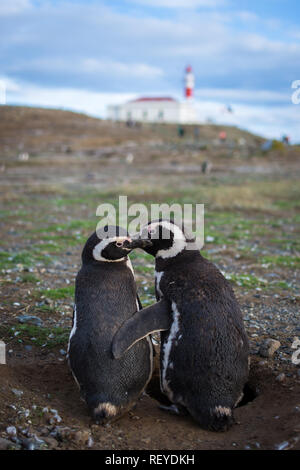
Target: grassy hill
[{"x": 35, "y": 130}]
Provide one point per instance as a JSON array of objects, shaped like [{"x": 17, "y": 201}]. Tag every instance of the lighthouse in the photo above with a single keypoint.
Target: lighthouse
[
  {"x": 159, "y": 108},
  {"x": 189, "y": 83}
]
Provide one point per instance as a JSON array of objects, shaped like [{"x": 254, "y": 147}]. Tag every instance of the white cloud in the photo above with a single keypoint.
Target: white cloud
[
  {"x": 120, "y": 68},
  {"x": 88, "y": 66},
  {"x": 181, "y": 3},
  {"x": 80, "y": 100},
  {"x": 229, "y": 95},
  {"x": 12, "y": 7}
]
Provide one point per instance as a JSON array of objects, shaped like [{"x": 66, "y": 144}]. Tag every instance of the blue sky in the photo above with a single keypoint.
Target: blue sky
[{"x": 84, "y": 55}]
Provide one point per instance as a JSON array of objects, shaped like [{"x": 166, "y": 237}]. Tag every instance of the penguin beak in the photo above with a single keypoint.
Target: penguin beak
[{"x": 140, "y": 243}]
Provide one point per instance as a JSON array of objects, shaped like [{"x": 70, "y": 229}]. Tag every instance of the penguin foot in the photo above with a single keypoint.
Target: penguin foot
[{"x": 174, "y": 409}]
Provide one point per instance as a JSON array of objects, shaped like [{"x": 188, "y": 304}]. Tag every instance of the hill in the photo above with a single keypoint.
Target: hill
[{"x": 39, "y": 130}]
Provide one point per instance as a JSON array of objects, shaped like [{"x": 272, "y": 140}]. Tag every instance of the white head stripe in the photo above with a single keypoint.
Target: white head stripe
[
  {"x": 179, "y": 240},
  {"x": 102, "y": 245}
]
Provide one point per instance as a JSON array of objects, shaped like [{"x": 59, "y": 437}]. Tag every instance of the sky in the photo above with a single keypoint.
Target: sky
[{"x": 86, "y": 54}]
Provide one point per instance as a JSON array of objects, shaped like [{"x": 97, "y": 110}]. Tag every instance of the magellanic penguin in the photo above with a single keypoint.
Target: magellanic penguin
[
  {"x": 106, "y": 296},
  {"x": 204, "y": 354}
]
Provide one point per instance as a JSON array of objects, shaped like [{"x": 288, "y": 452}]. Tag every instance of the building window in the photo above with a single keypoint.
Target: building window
[
  {"x": 145, "y": 115},
  {"x": 128, "y": 115},
  {"x": 160, "y": 115}
]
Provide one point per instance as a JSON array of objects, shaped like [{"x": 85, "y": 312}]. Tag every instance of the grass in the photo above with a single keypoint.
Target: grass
[
  {"x": 282, "y": 261},
  {"x": 29, "y": 278},
  {"x": 40, "y": 336},
  {"x": 59, "y": 293},
  {"x": 26, "y": 258}
]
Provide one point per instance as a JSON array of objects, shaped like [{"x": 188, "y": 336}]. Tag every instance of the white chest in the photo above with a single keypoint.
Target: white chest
[{"x": 158, "y": 277}]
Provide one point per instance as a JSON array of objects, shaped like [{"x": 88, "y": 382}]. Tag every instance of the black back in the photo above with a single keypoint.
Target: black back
[
  {"x": 211, "y": 356},
  {"x": 105, "y": 297}
]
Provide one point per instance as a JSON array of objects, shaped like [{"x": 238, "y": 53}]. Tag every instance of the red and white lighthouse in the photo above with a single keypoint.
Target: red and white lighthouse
[{"x": 189, "y": 83}]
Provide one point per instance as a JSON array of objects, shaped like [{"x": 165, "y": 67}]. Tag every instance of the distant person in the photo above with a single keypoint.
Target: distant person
[
  {"x": 180, "y": 131},
  {"x": 286, "y": 140},
  {"x": 222, "y": 136}
]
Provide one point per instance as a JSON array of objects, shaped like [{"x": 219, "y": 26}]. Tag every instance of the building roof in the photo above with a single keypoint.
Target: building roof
[{"x": 151, "y": 98}]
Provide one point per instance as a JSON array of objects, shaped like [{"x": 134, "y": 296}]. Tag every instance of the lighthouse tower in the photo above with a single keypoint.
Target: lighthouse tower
[
  {"x": 189, "y": 83},
  {"x": 159, "y": 108}
]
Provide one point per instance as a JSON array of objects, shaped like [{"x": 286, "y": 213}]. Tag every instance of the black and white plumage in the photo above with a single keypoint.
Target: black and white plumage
[
  {"x": 204, "y": 354},
  {"x": 105, "y": 297}
]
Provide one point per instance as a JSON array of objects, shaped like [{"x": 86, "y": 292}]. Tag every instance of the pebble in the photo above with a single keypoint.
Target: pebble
[
  {"x": 51, "y": 442},
  {"x": 268, "y": 347},
  {"x": 33, "y": 320},
  {"x": 81, "y": 437},
  {"x": 280, "y": 377},
  {"x": 4, "y": 443},
  {"x": 32, "y": 443},
  {"x": 282, "y": 445},
  {"x": 11, "y": 431},
  {"x": 17, "y": 392}
]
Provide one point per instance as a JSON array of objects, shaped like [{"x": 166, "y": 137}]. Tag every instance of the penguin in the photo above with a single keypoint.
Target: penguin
[
  {"x": 106, "y": 296},
  {"x": 204, "y": 353}
]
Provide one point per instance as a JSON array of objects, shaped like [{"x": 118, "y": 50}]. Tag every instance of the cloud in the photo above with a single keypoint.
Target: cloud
[
  {"x": 228, "y": 95},
  {"x": 122, "y": 69},
  {"x": 13, "y": 7},
  {"x": 181, "y": 3}
]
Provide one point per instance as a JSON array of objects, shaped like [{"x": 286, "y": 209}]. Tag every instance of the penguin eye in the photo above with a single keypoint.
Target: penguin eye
[{"x": 119, "y": 244}]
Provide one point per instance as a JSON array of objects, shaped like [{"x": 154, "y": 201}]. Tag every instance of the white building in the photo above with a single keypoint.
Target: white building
[{"x": 158, "y": 109}]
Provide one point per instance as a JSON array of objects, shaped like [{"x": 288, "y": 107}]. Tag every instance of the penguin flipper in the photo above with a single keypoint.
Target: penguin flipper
[
  {"x": 157, "y": 317},
  {"x": 139, "y": 302}
]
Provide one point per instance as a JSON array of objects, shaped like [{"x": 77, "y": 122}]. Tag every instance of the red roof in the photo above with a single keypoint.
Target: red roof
[{"x": 159, "y": 98}]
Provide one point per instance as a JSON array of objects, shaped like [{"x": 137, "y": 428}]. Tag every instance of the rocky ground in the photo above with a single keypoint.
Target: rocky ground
[{"x": 55, "y": 170}]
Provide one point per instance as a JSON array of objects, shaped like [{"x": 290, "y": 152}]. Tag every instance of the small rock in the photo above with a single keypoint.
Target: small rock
[
  {"x": 4, "y": 443},
  {"x": 280, "y": 377},
  {"x": 81, "y": 437},
  {"x": 283, "y": 445},
  {"x": 90, "y": 442},
  {"x": 146, "y": 440},
  {"x": 268, "y": 347},
  {"x": 51, "y": 442},
  {"x": 29, "y": 444},
  {"x": 17, "y": 392},
  {"x": 33, "y": 320},
  {"x": 11, "y": 431}
]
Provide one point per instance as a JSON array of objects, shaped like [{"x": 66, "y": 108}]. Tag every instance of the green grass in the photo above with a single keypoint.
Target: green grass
[
  {"x": 40, "y": 336},
  {"x": 251, "y": 281},
  {"x": 59, "y": 293},
  {"x": 26, "y": 258},
  {"x": 29, "y": 278},
  {"x": 282, "y": 261}
]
